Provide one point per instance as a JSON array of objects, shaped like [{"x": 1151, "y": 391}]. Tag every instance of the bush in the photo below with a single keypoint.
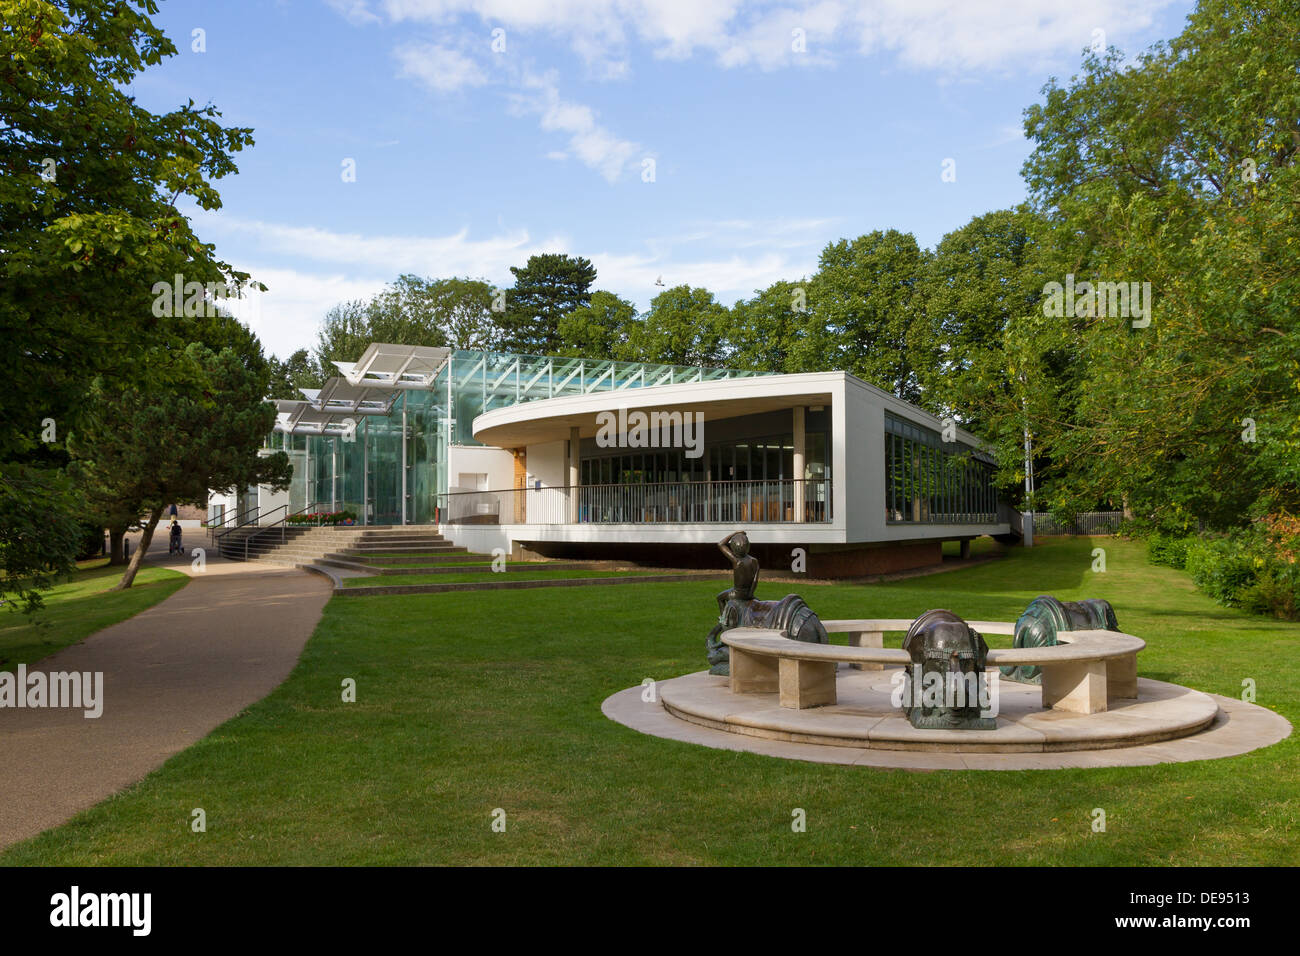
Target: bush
[
  {"x": 1276, "y": 592},
  {"x": 1222, "y": 568},
  {"x": 1169, "y": 549}
]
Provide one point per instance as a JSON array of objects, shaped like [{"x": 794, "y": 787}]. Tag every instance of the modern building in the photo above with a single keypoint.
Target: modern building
[{"x": 594, "y": 458}]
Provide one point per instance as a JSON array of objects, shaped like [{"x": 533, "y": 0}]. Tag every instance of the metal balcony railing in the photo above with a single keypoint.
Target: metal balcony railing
[{"x": 682, "y": 502}]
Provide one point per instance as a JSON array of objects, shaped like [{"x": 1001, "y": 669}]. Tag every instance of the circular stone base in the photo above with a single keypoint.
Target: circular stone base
[{"x": 1166, "y": 724}]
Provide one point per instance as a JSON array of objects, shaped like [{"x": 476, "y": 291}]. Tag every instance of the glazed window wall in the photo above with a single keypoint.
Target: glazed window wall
[
  {"x": 473, "y": 382},
  {"x": 764, "y": 459},
  {"x": 931, "y": 481},
  {"x": 365, "y": 474}
]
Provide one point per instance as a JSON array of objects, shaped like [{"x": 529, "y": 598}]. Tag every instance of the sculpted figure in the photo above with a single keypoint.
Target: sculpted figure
[
  {"x": 738, "y": 608},
  {"x": 1045, "y": 618},
  {"x": 945, "y": 688}
]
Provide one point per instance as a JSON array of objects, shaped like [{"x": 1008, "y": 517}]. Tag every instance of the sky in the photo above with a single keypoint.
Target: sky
[{"x": 716, "y": 143}]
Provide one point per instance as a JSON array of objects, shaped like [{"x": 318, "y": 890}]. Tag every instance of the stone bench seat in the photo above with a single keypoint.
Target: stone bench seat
[{"x": 1079, "y": 676}]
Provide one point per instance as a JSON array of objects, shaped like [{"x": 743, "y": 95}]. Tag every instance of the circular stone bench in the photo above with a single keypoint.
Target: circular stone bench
[{"x": 1079, "y": 675}]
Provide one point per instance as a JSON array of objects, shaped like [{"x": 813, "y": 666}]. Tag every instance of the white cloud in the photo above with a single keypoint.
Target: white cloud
[
  {"x": 590, "y": 143},
  {"x": 287, "y": 316},
  {"x": 355, "y": 11},
  {"x": 438, "y": 67},
  {"x": 945, "y": 35},
  {"x": 308, "y": 269},
  {"x": 455, "y": 254}
]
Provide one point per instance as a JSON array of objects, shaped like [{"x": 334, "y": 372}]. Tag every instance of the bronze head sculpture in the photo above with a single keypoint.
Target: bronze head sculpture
[{"x": 945, "y": 688}]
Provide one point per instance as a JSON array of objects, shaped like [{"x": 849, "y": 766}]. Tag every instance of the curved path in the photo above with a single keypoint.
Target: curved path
[{"x": 172, "y": 674}]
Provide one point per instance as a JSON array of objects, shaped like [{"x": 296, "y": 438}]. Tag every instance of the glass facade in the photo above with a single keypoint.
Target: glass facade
[
  {"x": 403, "y": 455},
  {"x": 928, "y": 480}
]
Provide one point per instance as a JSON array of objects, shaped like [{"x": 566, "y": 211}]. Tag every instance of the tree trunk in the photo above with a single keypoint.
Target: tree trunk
[
  {"x": 115, "y": 539},
  {"x": 140, "y": 550}
]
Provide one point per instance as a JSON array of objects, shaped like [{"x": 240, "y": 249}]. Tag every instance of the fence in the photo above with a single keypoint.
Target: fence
[
  {"x": 1087, "y": 522},
  {"x": 709, "y": 502}
]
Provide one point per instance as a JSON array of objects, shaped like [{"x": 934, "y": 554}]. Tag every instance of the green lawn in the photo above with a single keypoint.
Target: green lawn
[
  {"x": 79, "y": 607},
  {"x": 495, "y": 576},
  {"x": 469, "y": 702}
]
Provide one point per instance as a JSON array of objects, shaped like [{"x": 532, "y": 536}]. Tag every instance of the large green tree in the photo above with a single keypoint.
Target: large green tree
[
  {"x": 296, "y": 372},
  {"x": 683, "y": 326},
  {"x": 868, "y": 311},
  {"x": 764, "y": 333},
  {"x": 1178, "y": 170},
  {"x": 195, "y": 426},
  {"x": 547, "y": 288},
  {"x": 89, "y": 224},
  {"x": 599, "y": 329},
  {"x": 454, "y": 313}
]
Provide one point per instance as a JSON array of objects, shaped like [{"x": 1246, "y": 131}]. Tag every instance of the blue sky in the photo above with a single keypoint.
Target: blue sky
[{"x": 773, "y": 128}]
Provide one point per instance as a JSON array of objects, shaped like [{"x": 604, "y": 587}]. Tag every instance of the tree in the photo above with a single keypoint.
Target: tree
[
  {"x": 342, "y": 337},
  {"x": 295, "y": 373},
  {"x": 684, "y": 326},
  {"x": 88, "y": 226},
  {"x": 1180, "y": 172},
  {"x": 87, "y": 202},
  {"x": 452, "y": 313},
  {"x": 764, "y": 332},
  {"x": 981, "y": 279},
  {"x": 599, "y": 329},
  {"x": 197, "y": 426},
  {"x": 548, "y": 287},
  {"x": 462, "y": 310},
  {"x": 865, "y": 296}
]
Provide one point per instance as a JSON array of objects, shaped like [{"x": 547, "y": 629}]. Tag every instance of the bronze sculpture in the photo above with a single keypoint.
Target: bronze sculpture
[
  {"x": 945, "y": 688},
  {"x": 1045, "y": 617},
  {"x": 738, "y": 608}
]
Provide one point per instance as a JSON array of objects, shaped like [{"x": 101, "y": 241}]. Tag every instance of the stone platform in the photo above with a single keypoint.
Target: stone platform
[{"x": 1166, "y": 723}]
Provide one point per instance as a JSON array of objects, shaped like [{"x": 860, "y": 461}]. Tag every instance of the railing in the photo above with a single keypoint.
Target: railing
[
  {"x": 219, "y": 540},
  {"x": 1084, "y": 523},
  {"x": 705, "y": 502},
  {"x": 226, "y": 519},
  {"x": 281, "y": 525}
]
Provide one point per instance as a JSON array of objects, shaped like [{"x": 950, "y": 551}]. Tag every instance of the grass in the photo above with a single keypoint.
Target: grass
[
  {"x": 468, "y": 702},
  {"x": 80, "y": 606},
  {"x": 491, "y": 576}
]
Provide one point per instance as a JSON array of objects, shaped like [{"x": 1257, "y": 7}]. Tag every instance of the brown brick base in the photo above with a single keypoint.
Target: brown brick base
[{"x": 839, "y": 563}]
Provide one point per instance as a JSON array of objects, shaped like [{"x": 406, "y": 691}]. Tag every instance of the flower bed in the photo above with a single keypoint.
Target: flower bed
[{"x": 323, "y": 518}]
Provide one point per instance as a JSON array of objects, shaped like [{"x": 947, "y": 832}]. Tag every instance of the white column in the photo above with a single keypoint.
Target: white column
[
  {"x": 403, "y": 401},
  {"x": 573, "y": 475},
  {"x": 799, "y": 454}
]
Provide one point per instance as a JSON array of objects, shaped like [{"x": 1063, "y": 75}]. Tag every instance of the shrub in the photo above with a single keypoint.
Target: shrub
[
  {"x": 1169, "y": 549},
  {"x": 1222, "y": 568},
  {"x": 1276, "y": 592}
]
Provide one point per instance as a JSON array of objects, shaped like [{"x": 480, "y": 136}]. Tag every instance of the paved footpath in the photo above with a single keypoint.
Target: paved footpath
[{"x": 172, "y": 674}]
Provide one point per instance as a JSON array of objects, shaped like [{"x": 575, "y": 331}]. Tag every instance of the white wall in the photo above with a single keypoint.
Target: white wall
[
  {"x": 268, "y": 501},
  {"x": 497, "y": 463},
  {"x": 546, "y": 463}
]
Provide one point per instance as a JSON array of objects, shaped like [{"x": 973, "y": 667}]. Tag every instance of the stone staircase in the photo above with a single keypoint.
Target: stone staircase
[{"x": 349, "y": 547}]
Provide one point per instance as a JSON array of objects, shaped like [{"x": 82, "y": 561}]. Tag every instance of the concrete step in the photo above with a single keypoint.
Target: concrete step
[
  {"x": 444, "y": 555},
  {"x": 434, "y": 548},
  {"x": 377, "y": 544}
]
